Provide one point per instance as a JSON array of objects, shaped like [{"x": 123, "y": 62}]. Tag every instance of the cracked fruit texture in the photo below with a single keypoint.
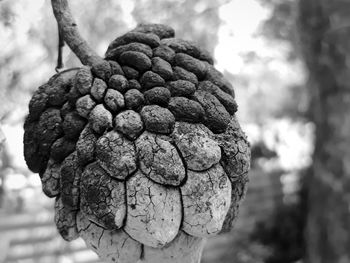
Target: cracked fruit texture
[{"x": 141, "y": 152}]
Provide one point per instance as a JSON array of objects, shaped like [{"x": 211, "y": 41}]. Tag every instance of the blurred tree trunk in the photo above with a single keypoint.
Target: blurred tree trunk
[{"x": 325, "y": 41}]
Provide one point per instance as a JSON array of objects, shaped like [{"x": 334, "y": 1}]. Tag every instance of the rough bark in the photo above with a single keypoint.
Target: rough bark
[{"x": 325, "y": 42}]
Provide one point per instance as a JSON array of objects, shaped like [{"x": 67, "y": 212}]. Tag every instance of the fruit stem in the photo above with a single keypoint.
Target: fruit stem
[{"x": 69, "y": 30}]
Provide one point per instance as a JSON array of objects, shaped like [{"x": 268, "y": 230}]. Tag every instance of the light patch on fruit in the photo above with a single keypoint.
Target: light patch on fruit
[
  {"x": 154, "y": 211},
  {"x": 206, "y": 199},
  {"x": 196, "y": 145},
  {"x": 111, "y": 246},
  {"x": 159, "y": 160}
]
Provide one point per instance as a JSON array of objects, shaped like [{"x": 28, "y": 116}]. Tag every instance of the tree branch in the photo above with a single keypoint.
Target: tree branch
[{"x": 69, "y": 30}]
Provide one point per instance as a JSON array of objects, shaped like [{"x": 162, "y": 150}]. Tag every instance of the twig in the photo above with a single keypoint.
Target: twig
[
  {"x": 60, "y": 64},
  {"x": 68, "y": 29}
]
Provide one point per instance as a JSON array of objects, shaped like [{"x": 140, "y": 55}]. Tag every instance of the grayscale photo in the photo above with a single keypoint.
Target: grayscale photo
[{"x": 175, "y": 131}]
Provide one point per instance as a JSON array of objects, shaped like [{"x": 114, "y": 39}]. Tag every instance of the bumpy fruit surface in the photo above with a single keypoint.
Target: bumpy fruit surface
[{"x": 143, "y": 149}]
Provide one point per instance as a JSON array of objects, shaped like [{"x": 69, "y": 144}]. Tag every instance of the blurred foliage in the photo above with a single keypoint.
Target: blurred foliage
[{"x": 192, "y": 20}]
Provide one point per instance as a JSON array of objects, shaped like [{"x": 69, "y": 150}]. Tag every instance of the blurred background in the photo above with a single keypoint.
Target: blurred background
[{"x": 289, "y": 63}]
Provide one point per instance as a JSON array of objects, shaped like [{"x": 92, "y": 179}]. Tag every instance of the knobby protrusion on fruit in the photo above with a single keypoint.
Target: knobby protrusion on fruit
[{"x": 142, "y": 150}]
